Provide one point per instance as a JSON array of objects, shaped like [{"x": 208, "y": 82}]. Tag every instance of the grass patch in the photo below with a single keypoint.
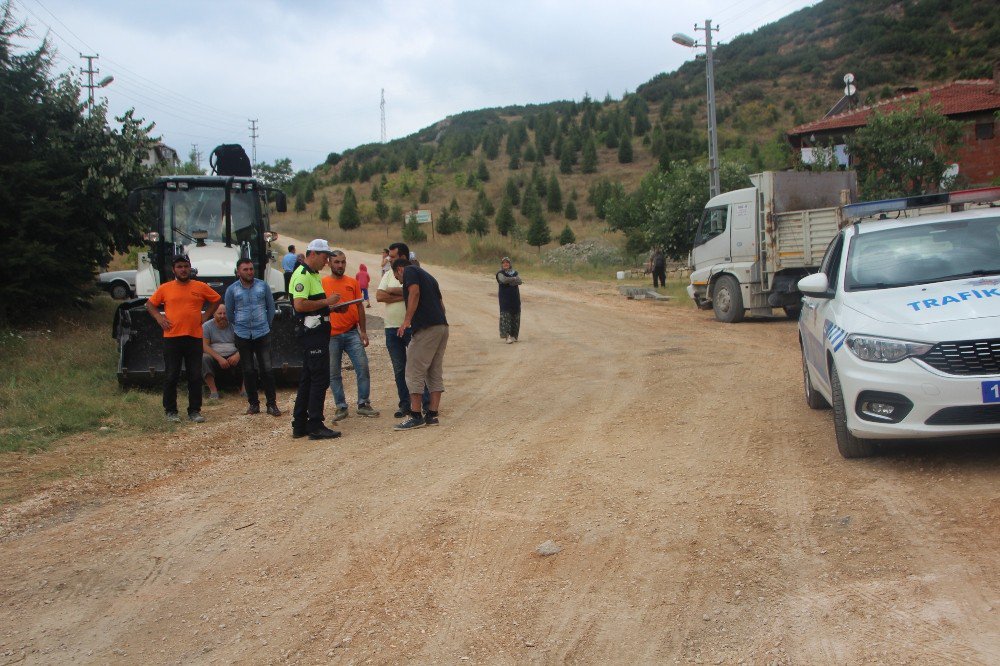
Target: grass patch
[{"x": 59, "y": 380}]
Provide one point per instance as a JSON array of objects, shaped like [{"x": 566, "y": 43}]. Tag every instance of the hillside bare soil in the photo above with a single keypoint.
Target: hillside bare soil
[{"x": 700, "y": 511}]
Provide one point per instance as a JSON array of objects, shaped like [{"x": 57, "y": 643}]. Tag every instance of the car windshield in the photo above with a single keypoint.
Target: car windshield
[
  {"x": 923, "y": 253},
  {"x": 196, "y": 216}
]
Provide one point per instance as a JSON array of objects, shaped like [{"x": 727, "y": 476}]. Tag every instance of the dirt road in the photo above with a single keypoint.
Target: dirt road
[{"x": 702, "y": 512}]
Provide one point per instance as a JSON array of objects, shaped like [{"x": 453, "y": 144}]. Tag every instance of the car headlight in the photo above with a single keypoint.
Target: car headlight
[{"x": 884, "y": 350}]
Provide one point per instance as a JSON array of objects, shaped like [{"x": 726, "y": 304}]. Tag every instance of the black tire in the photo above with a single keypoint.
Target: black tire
[
  {"x": 813, "y": 399},
  {"x": 849, "y": 445},
  {"x": 120, "y": 291},
  {"x": 727, "y": 300},
  {"x": 793, "y": 311}
]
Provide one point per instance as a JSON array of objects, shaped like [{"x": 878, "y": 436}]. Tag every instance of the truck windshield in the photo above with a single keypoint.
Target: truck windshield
[
  {"x": 923, "y": 253},
  {"x": 197, "y": 216}
]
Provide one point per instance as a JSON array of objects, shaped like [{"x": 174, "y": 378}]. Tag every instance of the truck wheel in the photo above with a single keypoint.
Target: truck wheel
[
  {"x": 849, "y": 445},
  {"x": 120, "y": 291},
  {"x": 727, "y": 300},
  {"x": 793, "y": 311},
  {"x": 813, "y": 399}
]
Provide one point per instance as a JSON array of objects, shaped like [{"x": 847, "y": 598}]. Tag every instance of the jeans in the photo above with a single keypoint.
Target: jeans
[
  {"x": 396, "y": 347},
  {"x": 349, "y": 342},
  {"x": 659, "y": 275},
  {"x": 255, "y": 356},
  {"x": 307, "y": 415},
  {"x": 176, "y": 350}
]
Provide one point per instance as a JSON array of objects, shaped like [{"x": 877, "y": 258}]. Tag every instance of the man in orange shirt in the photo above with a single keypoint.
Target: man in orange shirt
[
  {"x": 182, "y": 299},
  {"x": 347, "y": 334}
]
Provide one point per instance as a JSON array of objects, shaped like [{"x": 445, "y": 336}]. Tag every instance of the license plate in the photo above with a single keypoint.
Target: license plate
[{"x": 991, "y": 391}]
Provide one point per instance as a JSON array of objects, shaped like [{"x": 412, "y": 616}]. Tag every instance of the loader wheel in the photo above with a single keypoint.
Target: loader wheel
[{"x": 727, "y": 300}]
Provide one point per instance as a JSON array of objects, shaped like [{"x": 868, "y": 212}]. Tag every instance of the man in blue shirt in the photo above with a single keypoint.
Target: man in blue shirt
[
  {"x": 288, "y": 264},
  {"x": 251, "y": 310}
]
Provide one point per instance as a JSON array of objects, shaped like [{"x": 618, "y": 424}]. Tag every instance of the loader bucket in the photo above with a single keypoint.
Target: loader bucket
[{"x": 140, "y": 346}]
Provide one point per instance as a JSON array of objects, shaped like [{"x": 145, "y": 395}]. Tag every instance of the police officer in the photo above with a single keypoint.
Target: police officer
[{"x": 312, "y": 311}]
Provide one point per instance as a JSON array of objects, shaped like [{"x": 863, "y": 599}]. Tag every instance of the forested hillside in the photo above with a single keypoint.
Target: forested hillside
[{"x": 504, "y": 168}]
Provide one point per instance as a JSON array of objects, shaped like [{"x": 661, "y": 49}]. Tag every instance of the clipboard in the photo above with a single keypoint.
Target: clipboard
[{"x": 341, "y": 304}]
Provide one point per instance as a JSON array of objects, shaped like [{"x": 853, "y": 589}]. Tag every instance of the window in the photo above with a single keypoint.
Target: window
[
  {"x": 984, "y": 131},
  {"x": 831, "y": 261},
  {"x": 713, "y": 223}
]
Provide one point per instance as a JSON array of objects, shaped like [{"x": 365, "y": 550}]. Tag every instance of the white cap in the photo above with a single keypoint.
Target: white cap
[{"x": 319, "y": 245}]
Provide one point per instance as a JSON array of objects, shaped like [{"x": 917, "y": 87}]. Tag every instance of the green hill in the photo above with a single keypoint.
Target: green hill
[{"x": 781, "y": 75}]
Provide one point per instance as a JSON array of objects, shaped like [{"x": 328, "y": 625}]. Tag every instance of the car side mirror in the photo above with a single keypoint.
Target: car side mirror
[{"x": 816, "y": 285}]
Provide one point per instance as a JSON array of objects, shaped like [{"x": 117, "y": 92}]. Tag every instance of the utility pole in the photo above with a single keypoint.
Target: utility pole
[
  {"x": 253, "y": 139},
  {"x": 196, "y": 155},
  {"x": 713, "y": 139},
  {"x": 90, "y": 72},
  {"x": 382, "y": 107}
]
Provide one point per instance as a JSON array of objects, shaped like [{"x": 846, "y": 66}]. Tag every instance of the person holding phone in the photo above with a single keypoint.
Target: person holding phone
[{"x": 347, "y": 334}]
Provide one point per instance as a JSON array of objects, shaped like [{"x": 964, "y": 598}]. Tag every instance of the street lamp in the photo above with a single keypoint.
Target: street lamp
[{"x": 713, "y": 142}]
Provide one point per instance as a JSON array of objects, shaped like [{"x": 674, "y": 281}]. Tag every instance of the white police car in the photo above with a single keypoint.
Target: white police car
[{"x": 900, "y": 329}]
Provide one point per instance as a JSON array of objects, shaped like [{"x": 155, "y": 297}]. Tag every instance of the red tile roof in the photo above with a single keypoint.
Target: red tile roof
[{"x": 951, "y": 99}]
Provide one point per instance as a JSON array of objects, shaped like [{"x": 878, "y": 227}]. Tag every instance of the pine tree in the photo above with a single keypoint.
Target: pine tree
[
  {"x": 567, "y": 236},
  {"x": 484, "y": 203},
  {"x": 396, "y": 214},
  {"x": 478, "y": 224},
  {"x": 483, "y": 173},
  {"x": 570, "y": 210},
  {"x": 449, "y": 222},
  {"x": 505, "y": 217},
  {"x": 624, "y": 149},
  {"x": 529, "y": 153},
  {"x": 538, "y": 233},
  {"x": 566, "y": 160},
  {"x": 553, "y": 198},
  {"x": 412, "y": 233},
  {"x": 381, "y": 211},
  {"x": 300, "y": 202},
  {"x": 589, "y": 156},
  {"x": 515, "y": 160},
  {"x": 324, "y": 209},
  {"x": 530, "y": 204},
  {"x": 453, "y": 206},
  {"x": 425, "y": 195},
  {"x": 513, "y": 192},
  {"x": 349, "y": 217}
]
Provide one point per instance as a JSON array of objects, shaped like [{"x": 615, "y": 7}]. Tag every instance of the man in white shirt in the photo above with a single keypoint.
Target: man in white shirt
[{"x": 390, "y": 292}]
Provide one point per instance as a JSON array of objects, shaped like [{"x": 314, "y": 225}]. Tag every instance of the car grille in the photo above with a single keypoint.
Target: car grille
[
  {"x": 967, "y": 357},
  {"x": 967, "y": 415}
]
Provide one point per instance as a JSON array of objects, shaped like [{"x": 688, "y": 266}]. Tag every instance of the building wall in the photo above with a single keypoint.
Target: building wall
[{"x": 979, "y": 160}]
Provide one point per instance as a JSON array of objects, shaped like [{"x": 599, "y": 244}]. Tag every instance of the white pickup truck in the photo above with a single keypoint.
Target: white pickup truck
[{"x": 753, "y": 245}]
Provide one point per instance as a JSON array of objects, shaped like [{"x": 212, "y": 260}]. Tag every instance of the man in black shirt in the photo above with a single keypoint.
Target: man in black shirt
[{"x": 425, "y": 353}]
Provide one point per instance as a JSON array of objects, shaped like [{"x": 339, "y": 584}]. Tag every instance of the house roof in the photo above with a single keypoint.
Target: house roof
[{"x": 951, "y": 99}]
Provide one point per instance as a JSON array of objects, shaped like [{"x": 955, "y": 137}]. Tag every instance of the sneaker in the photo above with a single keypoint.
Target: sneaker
[
  {"x": 196, "y": 417},
  {"x": 173, "y": 417},
  {"x": 431, "y": 420},
  {"x": 253, "y": 409},
  {"x": 510, "y": 340},
  {"x": 214, "y": 396},
  {"x": 367, "y": 410},
  {"x": 324, "y": 433},
  {"x": 340, "y": 414},
  {"x": 411, "y": 423},
  {"x": 273, "y": 410}
]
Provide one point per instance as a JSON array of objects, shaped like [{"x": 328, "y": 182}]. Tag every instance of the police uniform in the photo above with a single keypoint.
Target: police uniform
[{"x": 313, "y": 331}]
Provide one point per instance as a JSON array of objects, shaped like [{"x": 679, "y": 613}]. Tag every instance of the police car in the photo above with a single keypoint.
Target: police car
[{"x": 900, "y": 329}]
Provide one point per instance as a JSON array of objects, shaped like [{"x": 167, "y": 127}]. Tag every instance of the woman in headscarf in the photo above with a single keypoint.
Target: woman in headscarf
[{"x": 510, "y": 301}]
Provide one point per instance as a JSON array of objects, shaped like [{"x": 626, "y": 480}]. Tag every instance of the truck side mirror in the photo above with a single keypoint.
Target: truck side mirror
[
  {"x": 816, "y": 285},
  {"x": 280, "y": 201}
]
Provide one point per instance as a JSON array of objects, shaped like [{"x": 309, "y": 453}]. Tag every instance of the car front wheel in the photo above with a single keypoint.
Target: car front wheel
[
  {"x": 849, "y": 445},
  {"x": 813, "y": 399},
  {"x": 120, "y": 291}
]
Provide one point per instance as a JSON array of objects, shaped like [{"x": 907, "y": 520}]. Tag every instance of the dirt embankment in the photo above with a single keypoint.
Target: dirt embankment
[{"x": 701, "y": 511}]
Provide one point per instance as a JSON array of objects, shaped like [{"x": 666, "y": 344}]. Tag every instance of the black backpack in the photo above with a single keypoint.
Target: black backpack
[{"x": 230, "y": 159}]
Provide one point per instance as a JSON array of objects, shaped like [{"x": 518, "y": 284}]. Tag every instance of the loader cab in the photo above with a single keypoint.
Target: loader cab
[{"x": 213, "y": 219}]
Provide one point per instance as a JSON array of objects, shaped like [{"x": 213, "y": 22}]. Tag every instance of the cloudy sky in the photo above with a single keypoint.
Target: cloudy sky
[{"x": 311, "y": 72}]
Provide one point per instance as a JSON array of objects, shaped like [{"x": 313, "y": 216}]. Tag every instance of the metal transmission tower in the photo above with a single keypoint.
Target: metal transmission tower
[
  {"x": 91, "y": 72},
  {"x": 196, "y": 155},
  {"x": 253, "y": 141},
  {"x": 713, "y": 140},
  {"x": 382, "y": 107}
]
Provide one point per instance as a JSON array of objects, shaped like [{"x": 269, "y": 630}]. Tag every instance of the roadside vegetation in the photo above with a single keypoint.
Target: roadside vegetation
[{"x": 59, "y": 380}]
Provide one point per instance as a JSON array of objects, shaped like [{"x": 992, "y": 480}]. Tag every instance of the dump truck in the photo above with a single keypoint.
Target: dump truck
[
  {"x": 753, "y": 245},
  {"x": 215, "y": 220}
]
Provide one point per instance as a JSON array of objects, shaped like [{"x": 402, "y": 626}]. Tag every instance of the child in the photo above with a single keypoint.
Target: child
[{"x": 363, "y": 281}]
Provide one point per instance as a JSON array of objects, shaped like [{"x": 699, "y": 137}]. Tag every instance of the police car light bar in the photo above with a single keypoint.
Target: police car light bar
[{"x": 872, "y": 208}]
